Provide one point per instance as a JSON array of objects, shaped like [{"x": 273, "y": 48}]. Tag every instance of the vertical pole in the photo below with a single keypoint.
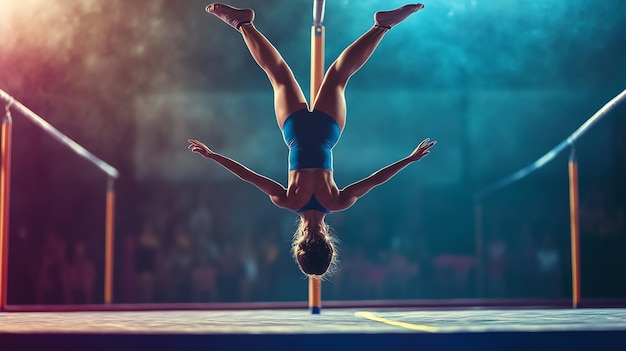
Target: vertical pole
[
  {"x": 317, "y": 49},
  {"x": 315, "y": 295},
  {"x": 109, "y": 242},
  {"x": 5, "y": 182},
  {"x": 478, "y": 228},
  {"x": 317, "y": 59},
  {"x": 574, "y": 227},
  {"x": 317, "y": 74}
]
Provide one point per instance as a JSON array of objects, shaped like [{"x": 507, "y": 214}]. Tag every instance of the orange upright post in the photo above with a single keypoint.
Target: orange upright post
[
  {"x": 5, "y": 182},
  {"x": 317, "y": 74},
  {"x": 317, "y": 48},
  {"x": 317, "y": 59},
  {"x": 109, "y": 243},
  {"x": 315, "y": 295},
  {"x": 574, "y": 228}
]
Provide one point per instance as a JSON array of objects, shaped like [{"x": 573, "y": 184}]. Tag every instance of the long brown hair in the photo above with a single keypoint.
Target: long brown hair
[{"x": 316, "y": 255}]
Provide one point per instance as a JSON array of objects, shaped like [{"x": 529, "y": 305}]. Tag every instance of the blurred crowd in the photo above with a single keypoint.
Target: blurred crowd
[{"x": 188, "y": 247}]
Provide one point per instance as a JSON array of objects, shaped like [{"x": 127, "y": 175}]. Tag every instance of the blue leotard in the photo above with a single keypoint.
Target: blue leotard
[
  {"x": 313, "y": 204},
  {"x": 310, "y": 137}
]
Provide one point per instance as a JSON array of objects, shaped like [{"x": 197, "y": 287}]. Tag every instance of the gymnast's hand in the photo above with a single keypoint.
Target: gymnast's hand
[
  {"x": 422, "y": 150},
  {"x": 200, "y": 148}
]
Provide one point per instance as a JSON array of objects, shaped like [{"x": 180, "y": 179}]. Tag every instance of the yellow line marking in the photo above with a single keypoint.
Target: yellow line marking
[{"x": 373, "y": 317}]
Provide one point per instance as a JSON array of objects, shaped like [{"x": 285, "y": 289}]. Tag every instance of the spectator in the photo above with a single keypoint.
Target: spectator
[
  {"x": 249, "y": 265},
  {"x": 402, "y": 272},
  {"x": 548, "y": 267},
  {"x": 51, "y": 280},
  {"x": 146, "y": 261},
  {"x": 179, "y": 264},
  {"x": 229, "y": 275},
  {"x": 201, "y": 219},
  {"x": 497, "y": 251},
  {"x": 268, "y": 259},
  {"x": 203, "y": 279},
  {"x": 523, "y": 263},
  {"x": 80, "y": 276}
]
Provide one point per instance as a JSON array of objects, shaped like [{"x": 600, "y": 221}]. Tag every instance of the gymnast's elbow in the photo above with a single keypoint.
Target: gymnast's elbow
[{"x": 280, "y": 200}]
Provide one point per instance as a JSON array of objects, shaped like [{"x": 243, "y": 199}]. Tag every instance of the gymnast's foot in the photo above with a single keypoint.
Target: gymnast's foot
[
  {"x": 233, "y": 16},
  {"x": 388, "y": 19}
]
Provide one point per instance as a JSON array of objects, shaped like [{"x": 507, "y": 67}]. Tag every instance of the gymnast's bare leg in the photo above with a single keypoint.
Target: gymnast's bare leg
[
  {"x": 288, "y": 96},
  {"x": 331, "y": 99}
]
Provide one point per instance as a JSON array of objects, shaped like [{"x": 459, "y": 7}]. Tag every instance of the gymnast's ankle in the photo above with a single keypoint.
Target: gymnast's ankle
[
  {"x": 233, "y": 16},
  {"x": 388, "y": 19}
]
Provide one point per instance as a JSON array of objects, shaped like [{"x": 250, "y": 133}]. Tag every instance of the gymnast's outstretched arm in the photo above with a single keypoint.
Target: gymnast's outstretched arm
[
  {"x": 352, "y": 192},
  {"x": 276, "y": 192}
]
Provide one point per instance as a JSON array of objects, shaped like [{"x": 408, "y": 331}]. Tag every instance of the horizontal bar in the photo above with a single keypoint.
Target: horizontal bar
[
  {"x": 596, "y": 117},
  {"x": 550, "y": 155},
  {"x": 55, "y": 133}
]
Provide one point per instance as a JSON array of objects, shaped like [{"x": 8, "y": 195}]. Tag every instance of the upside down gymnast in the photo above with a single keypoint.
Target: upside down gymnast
[{"x": 311, "y": 134}]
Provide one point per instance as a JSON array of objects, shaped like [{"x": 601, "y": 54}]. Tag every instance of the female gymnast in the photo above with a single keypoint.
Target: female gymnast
[{"x": 311, "y": 135}]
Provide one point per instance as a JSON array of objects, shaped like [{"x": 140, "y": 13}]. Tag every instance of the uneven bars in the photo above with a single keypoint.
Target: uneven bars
[
  {"x": 81, "y": 151},
  {"x": 5, "y": 186},
  {"x": 550, "y": 155}
]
